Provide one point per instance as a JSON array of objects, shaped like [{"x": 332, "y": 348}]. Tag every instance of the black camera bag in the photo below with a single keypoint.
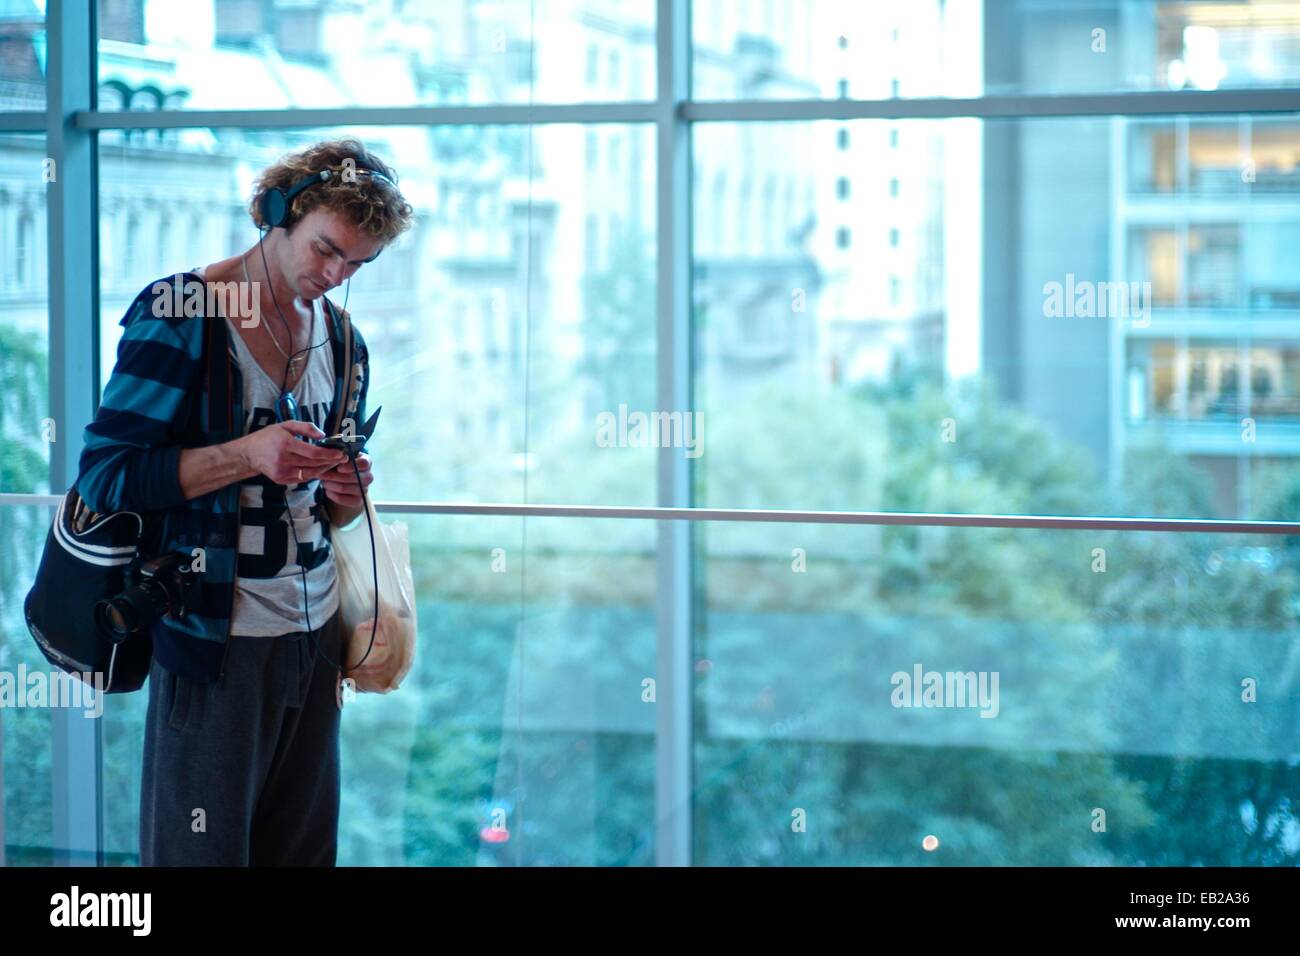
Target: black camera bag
[
  {"x": 79, "y": 569},
  {"x": 85, "y": 561}
]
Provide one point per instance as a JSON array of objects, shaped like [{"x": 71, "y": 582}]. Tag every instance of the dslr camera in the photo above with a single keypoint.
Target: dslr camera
[{"x": 156, "y": 586}]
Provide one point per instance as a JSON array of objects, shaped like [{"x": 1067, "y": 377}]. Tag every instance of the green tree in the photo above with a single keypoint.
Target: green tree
[{"x": 24, "y": 468}]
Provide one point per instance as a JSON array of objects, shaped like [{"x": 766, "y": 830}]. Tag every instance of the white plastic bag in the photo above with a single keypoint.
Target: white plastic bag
[{"x": 393, "y": 653}]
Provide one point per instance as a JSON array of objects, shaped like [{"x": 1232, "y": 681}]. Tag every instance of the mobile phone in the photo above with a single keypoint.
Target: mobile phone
[{"x": 354, "y": 445}]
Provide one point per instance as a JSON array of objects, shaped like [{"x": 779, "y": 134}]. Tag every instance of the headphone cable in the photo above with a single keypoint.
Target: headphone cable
[{"x": 374, "y": 561}]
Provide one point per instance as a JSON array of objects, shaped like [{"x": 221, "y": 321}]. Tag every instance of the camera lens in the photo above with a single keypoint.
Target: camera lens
[
  {"x": 133, "y": 609},
  {"x": 116, "y": 619},
  {"x": 113, "y": 618}
]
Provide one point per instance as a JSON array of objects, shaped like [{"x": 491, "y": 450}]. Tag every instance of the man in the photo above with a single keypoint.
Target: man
[{"x": 241, "y": 761}]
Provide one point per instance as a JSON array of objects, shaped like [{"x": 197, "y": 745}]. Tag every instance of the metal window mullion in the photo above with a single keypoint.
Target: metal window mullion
[
  {"x": 488, "y": 115},
  {"x": 673, "y": 561},
  {"x": 30, "y": 122},
  {"x": 1156, "y": 103},
  {"x": 73, "y": 342},
  {"x": 1027, "y": 106}
]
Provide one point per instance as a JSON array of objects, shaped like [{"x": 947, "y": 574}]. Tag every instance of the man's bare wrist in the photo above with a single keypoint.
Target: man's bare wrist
[
  {"x": 209, "y": 468},
  {"x": 343, "y": 516},
  {"x": 239, "y": 447}
]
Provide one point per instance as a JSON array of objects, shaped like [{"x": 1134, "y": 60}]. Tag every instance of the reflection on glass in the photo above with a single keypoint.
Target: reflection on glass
[
  {"x": 889, "y": 302},
  {"x": 260, "y": 54},
  {"x": 22, "y": 55},
  {"x": 522, "y": 735},
  {"x": 28, "y": 433},
  {"x": 1203, "y": 381},
  {"x": 1210, "y": 46},
  {"x": 1213, "y": 265},
  {"x": 459, "y": 309},
  {"x": 1152, "y": 157},
  {"x": 1077, "y": 671},
  {"x": 1251, "y": 155},
  {"x": 25, "y": 427},
  {"x": 798, "y": 49},
  {"x": 1215, "y": 157},
  {"x": 1154, "y": 258},
  {"x": 1213, "y": 383},
  {"x": 1275, "y": 152},
  {"x": 26, "y": 732}
]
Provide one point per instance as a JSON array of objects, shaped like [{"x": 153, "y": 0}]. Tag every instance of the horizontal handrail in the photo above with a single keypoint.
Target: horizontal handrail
[{"x": 1040, "y": 522}]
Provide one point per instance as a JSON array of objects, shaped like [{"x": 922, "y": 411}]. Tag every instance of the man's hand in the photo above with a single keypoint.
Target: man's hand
[
  {"x": 277, "y": 452},
  {"x": 340, "y": 485}
]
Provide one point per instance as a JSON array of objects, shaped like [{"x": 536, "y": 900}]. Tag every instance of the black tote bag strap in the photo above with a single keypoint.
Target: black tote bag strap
[{"x": 218, "y": 381}]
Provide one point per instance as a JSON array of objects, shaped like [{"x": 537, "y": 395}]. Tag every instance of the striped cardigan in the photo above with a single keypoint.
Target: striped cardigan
[{"x": 158, "y": 401}]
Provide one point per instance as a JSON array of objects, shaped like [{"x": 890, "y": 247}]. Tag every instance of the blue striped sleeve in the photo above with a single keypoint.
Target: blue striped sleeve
[{"x": 131, "y": 457}]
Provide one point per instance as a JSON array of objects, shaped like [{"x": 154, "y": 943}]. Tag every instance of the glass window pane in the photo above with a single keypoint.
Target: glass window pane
[
  {"x": 520, "y": 737},
  {"x": 28, "y": 432},
  {"x": 1274, "y": 155},
  {"x": 797, "y": 49},
  {"x": 466, "y": 319},
  {"x": 24, "y": 317},
  {"x": 22, "y": 55},
  {"x": 1024, "y": 698},
  {"x": 255, "y": 54},
  {"x": 26, "y": 729},
  {"x": 1010, "y": 330}
]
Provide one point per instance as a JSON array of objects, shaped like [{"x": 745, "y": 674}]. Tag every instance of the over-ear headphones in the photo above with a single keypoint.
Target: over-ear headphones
[{"x": 275, "y": 202}]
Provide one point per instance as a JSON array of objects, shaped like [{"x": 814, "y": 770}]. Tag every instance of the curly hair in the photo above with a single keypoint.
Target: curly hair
[{"x": 372, "y": 205}]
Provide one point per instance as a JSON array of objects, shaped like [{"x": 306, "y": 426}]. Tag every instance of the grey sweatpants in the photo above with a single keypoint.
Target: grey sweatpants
[{"x": 245, "y": 771}]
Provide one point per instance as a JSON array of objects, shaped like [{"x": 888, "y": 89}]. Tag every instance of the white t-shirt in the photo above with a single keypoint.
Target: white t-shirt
[{"x": 268, "y": 573}]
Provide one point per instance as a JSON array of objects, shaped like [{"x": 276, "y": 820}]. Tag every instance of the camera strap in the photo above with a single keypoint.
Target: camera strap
[{"x": 348, "y": 390}]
